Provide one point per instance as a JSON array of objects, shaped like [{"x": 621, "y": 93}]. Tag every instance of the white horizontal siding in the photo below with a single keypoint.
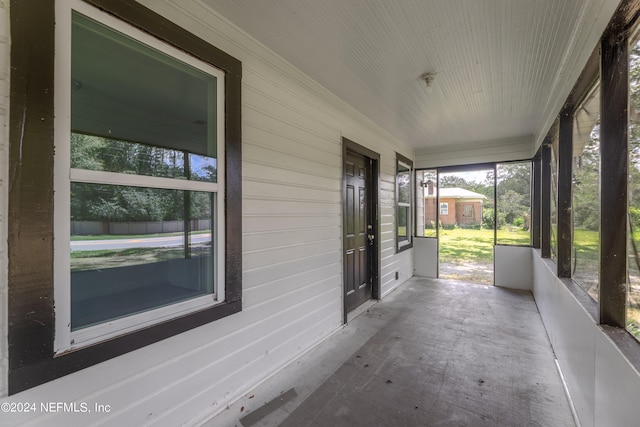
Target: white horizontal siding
[
  {"x": 603, "y": 384},
  {"x": 285, "y": 255},
  {"x": 263, "y": 241},
  {"x": 292, "y": 250}
]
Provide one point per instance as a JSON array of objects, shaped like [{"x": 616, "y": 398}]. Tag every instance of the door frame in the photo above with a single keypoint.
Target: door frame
[
  {"x": 373, "y": 202},
  {"x": 472, "y": 168}
]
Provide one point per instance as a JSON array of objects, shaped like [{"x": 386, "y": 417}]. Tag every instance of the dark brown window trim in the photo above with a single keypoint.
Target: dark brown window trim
[
  {"x": 588, "y": 77},
  {"x": 536, "y": 188},
  {"x": 609, "y": 62},
  {"x": 30, "y": 241},
  {"x": 545, "y": 199},
  {"x": 614, "y": 176},
  {"x": 468, "y": 168},
  {"x": 565, "y": 191},
  {"x": 410, "y": 233}
]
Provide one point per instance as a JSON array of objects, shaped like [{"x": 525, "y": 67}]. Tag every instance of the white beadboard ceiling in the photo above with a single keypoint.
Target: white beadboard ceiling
[{"x": 504, "y": 67}]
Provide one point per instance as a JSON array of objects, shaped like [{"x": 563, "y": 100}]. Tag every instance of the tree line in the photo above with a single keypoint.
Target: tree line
[{"x": 103, "y": 202}]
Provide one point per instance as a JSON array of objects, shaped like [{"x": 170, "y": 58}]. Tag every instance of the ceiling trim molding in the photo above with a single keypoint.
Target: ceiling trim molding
[{"x": 507, "y": 149}]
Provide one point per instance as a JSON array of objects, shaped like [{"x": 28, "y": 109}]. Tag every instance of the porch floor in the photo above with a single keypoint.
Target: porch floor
[{"x": 432, "y": 353}]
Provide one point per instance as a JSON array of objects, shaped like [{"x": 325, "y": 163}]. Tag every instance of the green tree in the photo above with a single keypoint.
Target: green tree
[
  {"x": 513, "y": 193},
  {"x": 586, "y": 166},
  {"x": 93, "y": 202},
  {"x": 449, "y": 181},
  {"x": 511, "y": 206}
]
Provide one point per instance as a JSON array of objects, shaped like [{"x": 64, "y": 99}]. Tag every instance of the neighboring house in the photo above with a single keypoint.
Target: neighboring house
[{"x": 457, "y": 206}]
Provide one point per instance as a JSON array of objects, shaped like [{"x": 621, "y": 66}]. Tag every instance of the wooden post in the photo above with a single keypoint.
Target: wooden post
[
  {"x": 565, "y": 217},
  {"x": 536, "y": 196},
  {"x": 545, "y": 200},
  {"x": 614, "y": 98}
]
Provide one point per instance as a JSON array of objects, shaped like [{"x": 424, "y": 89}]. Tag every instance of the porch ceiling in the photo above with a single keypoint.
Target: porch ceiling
[{"x": 503, "y": 67}]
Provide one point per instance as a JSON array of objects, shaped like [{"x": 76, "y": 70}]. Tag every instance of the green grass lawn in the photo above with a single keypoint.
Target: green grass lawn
[
  {"x": 459, "y": 246},
  {"x": 468, "y": 245},
  {"x": 585, "y": 260},
  {"x": 102, "y": 259},
  {"x": 467, "y": 254},
  {"x": 130, "y": 236}
]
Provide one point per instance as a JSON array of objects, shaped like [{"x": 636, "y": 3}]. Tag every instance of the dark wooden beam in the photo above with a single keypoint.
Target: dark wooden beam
[
  {"x": 614, "y": 98},
  {"x": 30, "y": 240},
  {"x": 535, "y": 201},
  {"x": 545, "y": 200},
  {"x": 625, "y": 16},
  {"x": 565, "y": 217},
  {"x": 586, "y": 80},
  {"x": 467, "y": 168}
]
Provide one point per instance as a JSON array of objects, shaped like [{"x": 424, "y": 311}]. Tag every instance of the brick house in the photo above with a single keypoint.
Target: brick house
[{"x": 457, "y": 206}]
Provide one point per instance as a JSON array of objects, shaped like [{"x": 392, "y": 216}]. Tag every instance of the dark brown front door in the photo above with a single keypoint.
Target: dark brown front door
[{"x": 359, "y": 233}]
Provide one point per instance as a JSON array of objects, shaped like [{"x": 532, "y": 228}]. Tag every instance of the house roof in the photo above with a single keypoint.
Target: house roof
[{"x": 457, "y": 193}]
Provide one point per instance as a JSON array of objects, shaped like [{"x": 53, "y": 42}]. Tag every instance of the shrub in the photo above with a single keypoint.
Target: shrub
[{"x": 634, "y": 217}]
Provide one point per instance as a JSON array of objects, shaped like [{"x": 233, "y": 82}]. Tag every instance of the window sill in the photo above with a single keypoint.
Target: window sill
[{"x": 404, "y": 247}]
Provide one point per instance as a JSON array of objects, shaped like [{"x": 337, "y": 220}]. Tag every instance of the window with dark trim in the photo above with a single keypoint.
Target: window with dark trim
[
  {"x": 553, "y": 195},
  {"x": 585, "y": 193},
  {"x": 513, "y": 203},
  {"x": 426, "y": 203},
  {"x": 194, "y": 173},
  {"x": 404, "y": 203},
  {"x": 592, "y": 151},
  {"x": 633, "y": 294}
]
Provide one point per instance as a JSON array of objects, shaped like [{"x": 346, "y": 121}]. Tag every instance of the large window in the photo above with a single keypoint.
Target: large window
[
  {"x": 426, "y": 203},
  {"x": 513, "y": 201},
  {"x": 586, "y": 194},
  {"x": 146, "y": 144},
  {"x": 404, "y": 202},
  {"x": 595, "y": 189},
  {"x": 553, "y": 194},
  {"x": 633, "y": 294},
  {"x": 604, "y": 181},
  {"x": 139, "y": 139}
]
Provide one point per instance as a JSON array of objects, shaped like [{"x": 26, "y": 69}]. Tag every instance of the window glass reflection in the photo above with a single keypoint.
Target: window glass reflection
[
  {"x": 134, "y": 249},
  {"x": 586, "y": 194}
]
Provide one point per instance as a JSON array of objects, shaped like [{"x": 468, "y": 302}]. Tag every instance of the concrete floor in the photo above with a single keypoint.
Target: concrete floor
[{"x": 432, "y": 353}]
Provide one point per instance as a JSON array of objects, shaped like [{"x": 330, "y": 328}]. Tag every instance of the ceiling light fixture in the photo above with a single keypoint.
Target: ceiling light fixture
[{"x": 428, "y": 79}]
